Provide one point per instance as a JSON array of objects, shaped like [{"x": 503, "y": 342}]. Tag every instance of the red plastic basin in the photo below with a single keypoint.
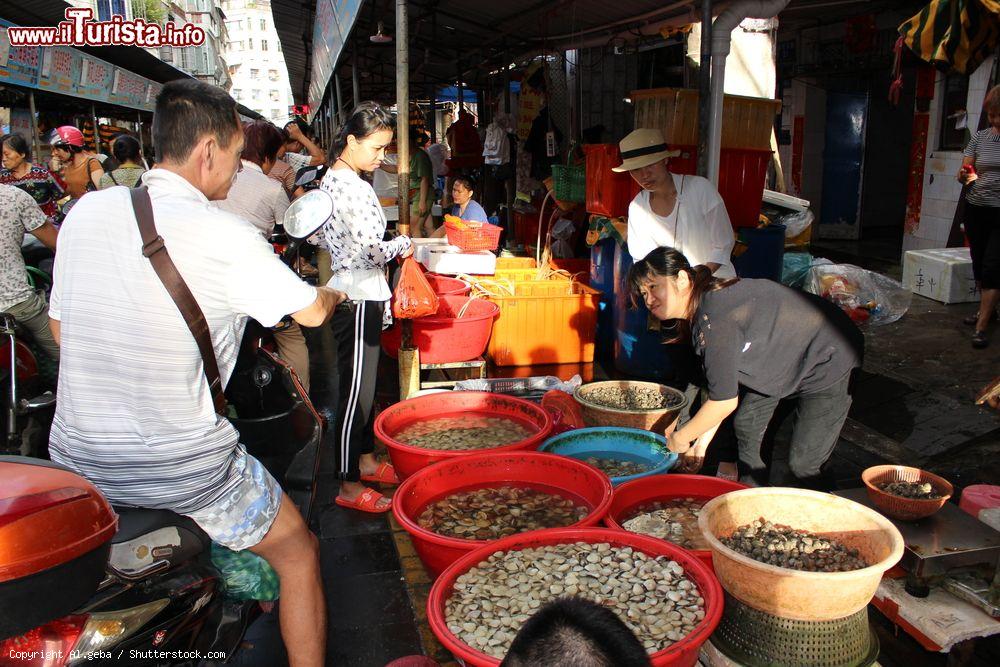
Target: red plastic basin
[
  {"x": 407, "y": 459},
  {"x": 447, "y": 286},
  {"x": 443, "y": 338},
  {"x": 548, "y": 472},
  {"x": 647, "y": 490},
  {"x": 684, "y": 652}
]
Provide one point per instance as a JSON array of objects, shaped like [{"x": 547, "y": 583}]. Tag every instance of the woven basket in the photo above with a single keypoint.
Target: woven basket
[
  {"x": 905, "y": 509},
  {"x": 658, "y": 420},
  {"x": 473, "y": 239},
  {"x": 569, "y": 182}
]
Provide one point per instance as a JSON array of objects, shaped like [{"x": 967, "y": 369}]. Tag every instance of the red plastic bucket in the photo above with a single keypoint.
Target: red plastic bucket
[
  {"x": 647, "y": 490},
  {"x": 742, "y": 172},
  {"x": 683, "y": 653},
  {"x": 443, "y": 337},
  {"x": 551, "y": 473},
  {"x": 446, "y": 286},
  {"x": 408, "y": 459}
]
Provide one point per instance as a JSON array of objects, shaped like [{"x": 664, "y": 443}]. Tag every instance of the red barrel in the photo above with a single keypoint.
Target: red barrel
[
  {"x": 683, "y": 653},
  {"x": 408, "y": 459},
  {"x": 554, "y": 474},
  {"x": 648, "y": 490}
]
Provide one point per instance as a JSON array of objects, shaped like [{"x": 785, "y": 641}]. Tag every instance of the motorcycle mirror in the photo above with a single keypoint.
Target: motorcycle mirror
[
  {"x": 307, "y": 214},
  {"x": 307, "y": 175}
]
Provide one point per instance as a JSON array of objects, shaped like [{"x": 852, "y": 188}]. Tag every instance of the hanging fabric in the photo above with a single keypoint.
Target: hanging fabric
[{"x": 954, "y": 34}]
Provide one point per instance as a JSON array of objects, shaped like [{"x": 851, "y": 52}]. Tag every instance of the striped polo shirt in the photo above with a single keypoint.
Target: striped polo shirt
[
  {"x": 134, "y": 413},
  {"x": 985, "y": 148}
]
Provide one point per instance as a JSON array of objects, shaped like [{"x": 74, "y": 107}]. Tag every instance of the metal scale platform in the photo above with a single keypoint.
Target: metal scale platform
[{"x": 944, "y": 548}]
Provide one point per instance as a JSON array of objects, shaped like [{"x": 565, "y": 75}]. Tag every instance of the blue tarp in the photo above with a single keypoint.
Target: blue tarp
[{"x": 450, "y": 93}]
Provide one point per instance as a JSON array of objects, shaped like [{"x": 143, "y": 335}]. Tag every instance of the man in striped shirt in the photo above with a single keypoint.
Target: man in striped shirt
[{"x": 135, "y": 413}]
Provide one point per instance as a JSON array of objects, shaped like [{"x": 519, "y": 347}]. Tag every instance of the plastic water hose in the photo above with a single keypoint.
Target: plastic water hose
[{"x": 538, "y": 241}]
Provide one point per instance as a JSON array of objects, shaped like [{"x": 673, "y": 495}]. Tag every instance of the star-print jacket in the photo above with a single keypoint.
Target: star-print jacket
[{"x": 353, "y": 237}]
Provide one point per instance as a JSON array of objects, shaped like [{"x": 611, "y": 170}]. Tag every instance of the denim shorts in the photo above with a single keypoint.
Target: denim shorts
[{"x": 242, "y": 517}]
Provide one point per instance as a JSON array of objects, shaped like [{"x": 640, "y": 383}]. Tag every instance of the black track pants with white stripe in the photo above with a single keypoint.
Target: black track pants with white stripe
[{"x": 357, "y": 327}]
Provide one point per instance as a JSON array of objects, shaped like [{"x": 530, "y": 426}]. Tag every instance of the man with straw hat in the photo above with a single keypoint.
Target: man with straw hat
[{"x": 674, "y": 210}]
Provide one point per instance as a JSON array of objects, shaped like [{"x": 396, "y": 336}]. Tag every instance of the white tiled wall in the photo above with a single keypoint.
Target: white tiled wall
[{"x": 941, "y": 189}]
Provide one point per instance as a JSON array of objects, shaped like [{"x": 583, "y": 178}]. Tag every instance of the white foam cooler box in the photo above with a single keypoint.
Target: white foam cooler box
[
  {"x": 450, "y": 260},
  {"x": 943, "y": 274}
]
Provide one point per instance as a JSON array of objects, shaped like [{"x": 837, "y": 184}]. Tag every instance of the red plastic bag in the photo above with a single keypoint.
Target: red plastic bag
[{"x": 414, "y": 297}]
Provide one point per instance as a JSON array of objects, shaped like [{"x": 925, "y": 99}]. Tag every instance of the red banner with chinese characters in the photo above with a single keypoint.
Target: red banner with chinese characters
[
  {"x": 798, "y": 140},
  {"x": 915, "y": 187}
]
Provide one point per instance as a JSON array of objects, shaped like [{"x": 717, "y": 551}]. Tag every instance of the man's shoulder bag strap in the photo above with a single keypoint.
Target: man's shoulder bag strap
[{"x": 156, "y": 252}]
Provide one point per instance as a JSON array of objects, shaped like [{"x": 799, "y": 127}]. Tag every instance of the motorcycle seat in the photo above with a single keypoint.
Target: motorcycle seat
[
  {"x": 149, "y": 539},
  {"x": 134, "y": 522}
]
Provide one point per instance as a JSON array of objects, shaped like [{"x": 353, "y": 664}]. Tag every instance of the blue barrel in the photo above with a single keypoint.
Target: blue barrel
[
  {"x": 764, "y": 254},
  {"x": 602, "y": 277},
  {"x": 638, "y": 352}
]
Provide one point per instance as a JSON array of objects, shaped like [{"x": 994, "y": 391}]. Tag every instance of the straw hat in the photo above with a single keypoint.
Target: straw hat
[{"x": 642, "y": 148}]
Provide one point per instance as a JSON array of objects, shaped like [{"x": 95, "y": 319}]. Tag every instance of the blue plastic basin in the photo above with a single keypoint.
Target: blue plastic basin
[{"x": 615, "y": 442}]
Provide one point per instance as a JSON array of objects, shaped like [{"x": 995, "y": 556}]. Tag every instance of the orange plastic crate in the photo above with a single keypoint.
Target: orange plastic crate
[{"x": 545, "y": 322}]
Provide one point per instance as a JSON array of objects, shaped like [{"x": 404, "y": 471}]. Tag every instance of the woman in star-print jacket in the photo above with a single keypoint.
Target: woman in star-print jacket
[{"x": 358, "y": 258}]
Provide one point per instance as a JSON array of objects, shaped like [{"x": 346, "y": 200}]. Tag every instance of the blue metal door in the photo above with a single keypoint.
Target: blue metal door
[{"x": 843, "y": 165}]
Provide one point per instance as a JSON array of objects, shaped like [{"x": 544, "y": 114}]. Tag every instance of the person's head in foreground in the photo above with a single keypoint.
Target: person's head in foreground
[
  {"x": 574, "y": 632},
  {"x": 197, "y": 134}
]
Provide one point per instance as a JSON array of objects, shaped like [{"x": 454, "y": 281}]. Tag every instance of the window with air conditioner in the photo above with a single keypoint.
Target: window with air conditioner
[
  {"x": 274, "y": 96},
  {"x": 272, "y": 74},
  {"x": 255, "y": 74}
]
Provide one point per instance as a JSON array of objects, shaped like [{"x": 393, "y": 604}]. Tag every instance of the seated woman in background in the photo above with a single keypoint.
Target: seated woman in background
[
  {"x": 128, "y": 153},
  {"x": 34, "y": 179},
  {"x": 465, "y": 207}
]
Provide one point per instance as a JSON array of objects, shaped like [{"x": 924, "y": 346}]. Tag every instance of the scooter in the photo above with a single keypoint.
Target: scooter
[
  {"x": 26, "y": 412},
  {"x": 95, "y": 585},
  {"x": 26, "y": 409}
]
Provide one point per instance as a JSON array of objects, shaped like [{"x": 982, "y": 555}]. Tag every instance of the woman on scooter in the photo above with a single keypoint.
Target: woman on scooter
[
  {"x": 759, "y": 342},
  {"x": 358, "y": 258}
]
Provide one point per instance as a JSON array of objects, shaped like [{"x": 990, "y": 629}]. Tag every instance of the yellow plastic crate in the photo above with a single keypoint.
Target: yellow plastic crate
[
  {"x": 516, "y": 263},
  {"x": 545, "y": 322}
]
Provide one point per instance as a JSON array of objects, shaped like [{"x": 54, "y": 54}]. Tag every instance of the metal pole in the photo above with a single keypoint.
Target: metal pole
[
  {"x": 506, "y": 86},
  {"x": 97, "y": 128},
  {"x": 461, "y": 87},
  {"x": 356, "y": 87},
  {"x": 35, "y": 143},
  {"x": 432, "y": 94},
  {"x": 705, "y": 87},
  {"x": 142, "y": 145},
  {"x": 403, "y": 115},
  {"x": 339, "y": 96}
]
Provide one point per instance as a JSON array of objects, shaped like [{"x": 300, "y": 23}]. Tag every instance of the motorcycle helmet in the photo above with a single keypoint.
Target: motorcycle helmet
[{"x": 67, "y": 135}]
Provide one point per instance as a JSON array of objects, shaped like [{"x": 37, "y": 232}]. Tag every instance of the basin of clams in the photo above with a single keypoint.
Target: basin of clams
[{"x": 665, "y": 595}]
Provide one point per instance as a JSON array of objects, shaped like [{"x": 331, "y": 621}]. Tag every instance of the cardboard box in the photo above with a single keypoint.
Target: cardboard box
[{"x": 944, "y": 275}]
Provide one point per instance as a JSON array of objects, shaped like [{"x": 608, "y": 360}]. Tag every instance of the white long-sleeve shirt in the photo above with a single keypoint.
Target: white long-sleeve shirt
[
  {"x": 353, "y": 237},
  {"x": 698, "y": 227}
]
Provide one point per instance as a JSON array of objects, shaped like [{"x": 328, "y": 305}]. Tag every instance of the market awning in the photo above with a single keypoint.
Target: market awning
[
  {"x": 131, "y": 58},
  {"x": 954, "y": 34},
  {"x": 458, "y": 39}
]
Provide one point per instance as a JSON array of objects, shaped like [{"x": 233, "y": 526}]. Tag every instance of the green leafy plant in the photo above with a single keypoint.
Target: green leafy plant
[{"x": 153, "y": 11}]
